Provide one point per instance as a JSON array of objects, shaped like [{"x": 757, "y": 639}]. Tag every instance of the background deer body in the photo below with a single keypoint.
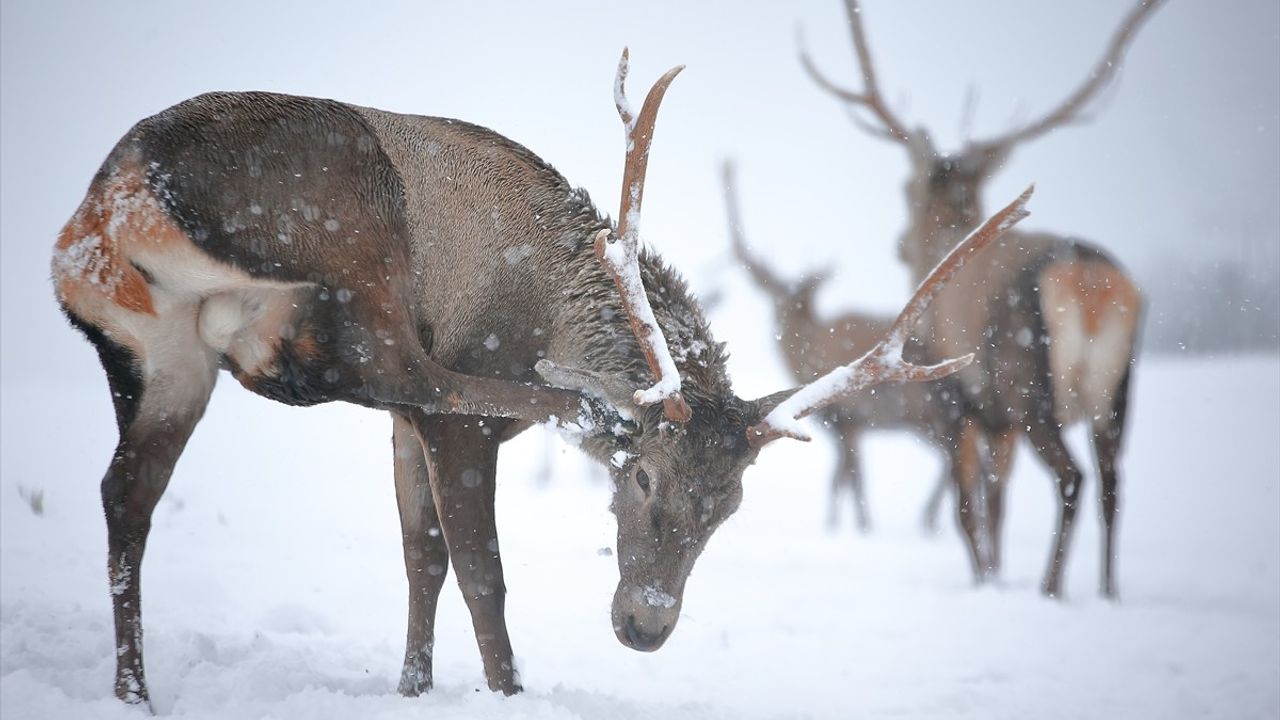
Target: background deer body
[
  {"x": 1054, "y": 322},
  {"x": 1055, "y": 325},
  {"x": 812, "y": 345}
]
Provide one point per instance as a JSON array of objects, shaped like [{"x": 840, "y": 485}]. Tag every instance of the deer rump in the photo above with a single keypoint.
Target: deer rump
[
  {"x": 256, "y": 240},
  {"x": 1057, "y": 307}
]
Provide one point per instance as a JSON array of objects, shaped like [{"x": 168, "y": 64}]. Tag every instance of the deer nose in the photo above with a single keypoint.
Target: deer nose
[{"x": 638, "y": 639}]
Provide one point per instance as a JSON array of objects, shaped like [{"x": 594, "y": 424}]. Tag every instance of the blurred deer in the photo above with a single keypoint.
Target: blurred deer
[
  {"x": 1054, "y": 321},
  {"x": 811, "y": 345}
]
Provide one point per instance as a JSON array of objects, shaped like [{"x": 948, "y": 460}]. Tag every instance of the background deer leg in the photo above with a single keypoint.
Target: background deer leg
[
  {"x": 933, "y": 506},
  {"x": 462, "y": 457},
  {"x": 1108, "y": 431},
  {"x": 837, "y": 476},
  {"x": 426, "y": 557},
  {"x": 966, "y": 473},
  {"x": 1046, "y": 438},
  {"x": 850, "y": 470},
  {"x": 1002, "y": 445}
]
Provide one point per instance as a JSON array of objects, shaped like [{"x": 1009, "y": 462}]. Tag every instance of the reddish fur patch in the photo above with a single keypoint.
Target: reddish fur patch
[
  {"x": 1097, "y": 287},
  {"x": 306, "y": 348},
  {"x": 88, "y": 260},
  {"x": 91, "y": 261}
]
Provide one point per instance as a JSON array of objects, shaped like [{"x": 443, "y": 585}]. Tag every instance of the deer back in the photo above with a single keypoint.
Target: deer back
[{"x": 498, "y": 244}]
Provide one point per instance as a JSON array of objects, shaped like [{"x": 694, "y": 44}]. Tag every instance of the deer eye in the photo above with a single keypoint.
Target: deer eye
[{"x": 642, "y": 479}]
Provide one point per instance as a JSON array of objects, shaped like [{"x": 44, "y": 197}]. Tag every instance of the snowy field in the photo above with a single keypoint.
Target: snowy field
[{"x": 274, "y": 585}]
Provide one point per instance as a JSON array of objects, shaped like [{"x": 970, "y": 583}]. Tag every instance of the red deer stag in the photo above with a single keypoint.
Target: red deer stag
[
  {"x": 1054, "y": 321},
  {"x": 323, "y": 252},
  {"x": 812, "y": 345}
]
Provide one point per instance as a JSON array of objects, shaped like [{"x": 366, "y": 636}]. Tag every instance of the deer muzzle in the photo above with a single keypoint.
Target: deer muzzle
[{"x": 645, "y": 615}]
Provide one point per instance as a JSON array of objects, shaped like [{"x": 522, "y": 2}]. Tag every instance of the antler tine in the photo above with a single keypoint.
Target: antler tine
[
  {"x": 639, "y": 130},
  {"x": 1102, "y": 74},
  {"x": 620, "y": 256},
  {"x": 870, "y": 97},
  {"x": 884, "y": 362},
  {"x": 758, "y": 270}
]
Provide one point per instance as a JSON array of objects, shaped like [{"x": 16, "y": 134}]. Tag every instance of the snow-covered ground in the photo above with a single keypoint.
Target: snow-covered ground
[{"x": 274, "y": 585}]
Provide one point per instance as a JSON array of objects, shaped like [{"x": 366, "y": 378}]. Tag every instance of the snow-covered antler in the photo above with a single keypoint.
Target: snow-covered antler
[
  {"x": 884, "y": 362},
  {"x": 620, "y": 255}
]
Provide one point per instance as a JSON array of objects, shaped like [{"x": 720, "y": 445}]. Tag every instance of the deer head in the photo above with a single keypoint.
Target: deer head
[
  {"x": 677, "y": 467},
  {"x": 944, "y": 193}
]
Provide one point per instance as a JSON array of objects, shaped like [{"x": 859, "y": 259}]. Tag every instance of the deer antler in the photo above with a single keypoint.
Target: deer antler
[
  {"x": 884, "y": 363},
  {"x": 620, "y": 256},
  {"x": 1102, "y": 73},
  {"x": 870, "y": 98},
  {"x": 763, "y": 276}
]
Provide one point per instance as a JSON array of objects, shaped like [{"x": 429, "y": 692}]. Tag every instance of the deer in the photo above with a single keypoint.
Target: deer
[
  {"x": 434, "y": 269},
  {"x": 1054, "y": 321},
  {"x": 811, "y": 344}
]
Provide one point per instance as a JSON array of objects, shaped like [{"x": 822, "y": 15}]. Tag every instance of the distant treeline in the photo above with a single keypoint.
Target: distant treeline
[{"x": 1219, "y": 307}]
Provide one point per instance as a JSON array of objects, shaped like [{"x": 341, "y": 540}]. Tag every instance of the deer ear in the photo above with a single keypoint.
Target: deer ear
[
  {"x": 617, "y": 391},
  {"x": 764, "y": 405}
]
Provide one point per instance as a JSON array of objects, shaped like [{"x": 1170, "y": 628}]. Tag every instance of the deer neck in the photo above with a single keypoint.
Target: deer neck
[
  {"x": 593, "y": 333},
  {"x": 590, "y": 331},
  {"x": 933, "y": 231}
]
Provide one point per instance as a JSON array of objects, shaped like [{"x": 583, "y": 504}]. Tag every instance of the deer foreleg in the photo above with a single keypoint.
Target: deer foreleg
[
  {"x": 426, "y": 557},
  {"x": 462, "y": 454},
  {"x": 1000, "y": 446}
]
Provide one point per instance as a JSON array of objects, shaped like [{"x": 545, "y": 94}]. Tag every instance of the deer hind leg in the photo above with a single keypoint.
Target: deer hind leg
[
  {"x": 161, "y": 378},
  {"x": 462, "y": 458},
  {"x": 1046, "y": 438},
  {"x": 1108, "y": 432},
  {"x": 426, "y": 557}
]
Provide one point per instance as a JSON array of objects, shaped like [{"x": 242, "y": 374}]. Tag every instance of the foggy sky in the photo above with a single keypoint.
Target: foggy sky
[{"x": 1183, "y": 155}]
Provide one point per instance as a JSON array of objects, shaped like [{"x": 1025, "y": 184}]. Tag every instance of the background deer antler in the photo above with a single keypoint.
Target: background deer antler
[
  {"x": 1103, "y": 71},
  {"x": 620, "y": 256},
  {"x": 892, "y": 128},
  {"x": 762, "y": 274},
  {"x": 884, "y": 362}
]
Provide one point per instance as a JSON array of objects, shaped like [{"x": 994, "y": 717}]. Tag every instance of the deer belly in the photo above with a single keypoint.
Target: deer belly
[
  {"x": 1090, "y": 311},
  {"x": 277, "y": 344}
]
